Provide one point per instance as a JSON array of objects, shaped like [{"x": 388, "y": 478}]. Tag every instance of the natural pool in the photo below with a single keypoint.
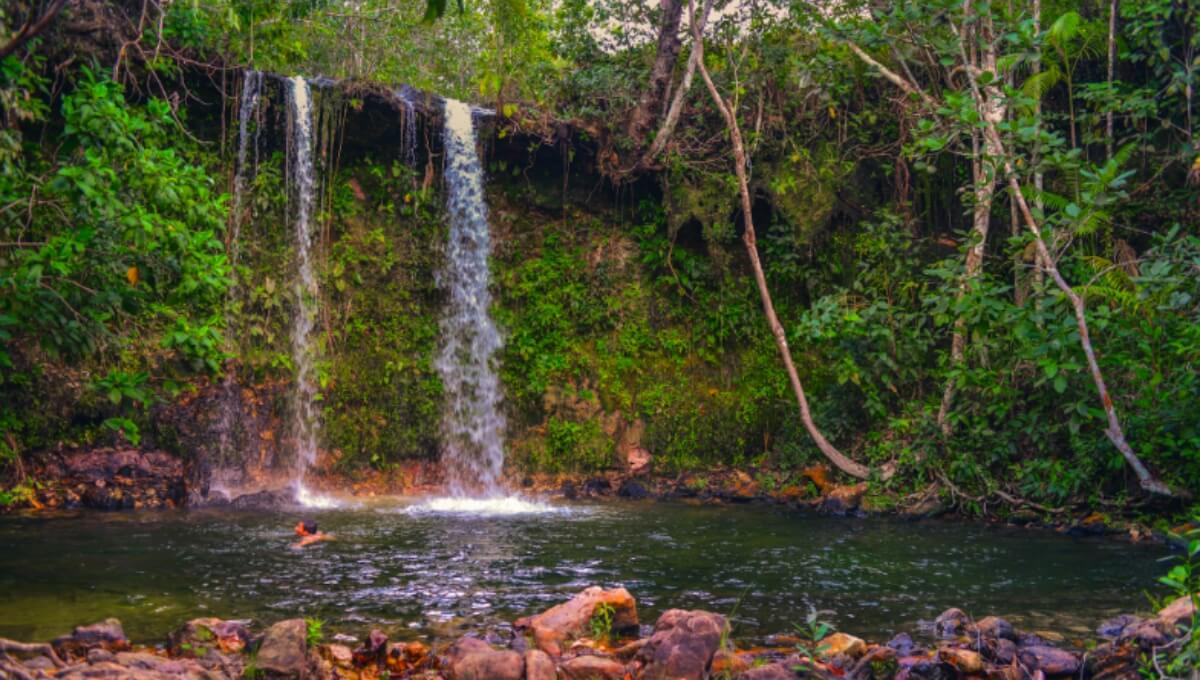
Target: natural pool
[{"x": 432, "y": 574}]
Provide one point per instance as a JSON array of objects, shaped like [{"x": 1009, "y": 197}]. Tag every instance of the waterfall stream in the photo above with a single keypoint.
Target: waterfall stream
[
  {"x": 302, "y": 177},
  {"x": 472, "y": 423}
]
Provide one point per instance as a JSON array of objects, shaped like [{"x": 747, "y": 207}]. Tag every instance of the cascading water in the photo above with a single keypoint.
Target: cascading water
[
  {"x": 408, "y": 130},
  {"x": 472, "y": 424},
  {"x": 305, "y": 423},
  {"x": 227, "y": 470}
]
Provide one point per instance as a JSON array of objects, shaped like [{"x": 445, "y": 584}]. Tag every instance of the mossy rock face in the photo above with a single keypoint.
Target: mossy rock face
[{"x": 803, "y": 187}]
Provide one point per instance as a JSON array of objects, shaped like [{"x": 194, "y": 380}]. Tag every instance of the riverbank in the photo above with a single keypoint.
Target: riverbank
[
  {"x": 124, "y": 478},
  {"x": 598, "y": 635}
]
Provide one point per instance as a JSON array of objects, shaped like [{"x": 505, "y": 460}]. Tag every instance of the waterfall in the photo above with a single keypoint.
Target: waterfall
[
  {"x": 226, "y": 471},
  {"x": 408, "y": 130},
  {"x": 301, "y": 175},
  {"x": 472, "y": 424}
]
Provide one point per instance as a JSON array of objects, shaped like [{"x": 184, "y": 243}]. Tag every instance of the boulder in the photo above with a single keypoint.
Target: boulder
[
  {"x": 107, "y": 634},
  {"x": 683, "y": 645},
  {"x": 841, "y": 500},
  {"x": 994, "y": 627},
  {"x": 373, "y": 650},
  {"x": 965, "y": 660},
  {"x": 840, "y": 644},
  {"x": 283, "y": 652},
  {"x": 633, "y": 489},
  {"x": 197, "y": 636},
  {"x": 1182, "y": 608},
  {"x": 539, "y": 666},
  {"x": 108, "y": 478},
  {"x": 1049, "y": 660},
  {"x": 951, "y": 623},
  {"x": 572, "y": 619},
  {"x": 780, "y": 670},
  {"x": 474, "y": 659},
  {"x": 591, "y": 667},
  {"x": 340, "y": 656},
  {"x": 902, "y": 644},
  {"x": 267, "y": 499},
  {"x": 1112, "y": 628},
  {"x": 1000, "y": 650}
]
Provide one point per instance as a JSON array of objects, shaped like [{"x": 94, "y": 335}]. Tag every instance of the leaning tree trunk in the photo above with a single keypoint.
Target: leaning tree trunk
[
  {"x": 650, "y": 103},
  {"x": 840, "y": 460}
]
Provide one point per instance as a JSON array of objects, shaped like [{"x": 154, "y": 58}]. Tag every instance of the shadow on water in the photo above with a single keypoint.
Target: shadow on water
[{"x": 436, "y": 573}]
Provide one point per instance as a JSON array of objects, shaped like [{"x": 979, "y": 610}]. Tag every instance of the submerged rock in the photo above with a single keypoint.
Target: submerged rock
[
  {"x": 683, "y": 645},
  {"x": 572, "y": 619}
]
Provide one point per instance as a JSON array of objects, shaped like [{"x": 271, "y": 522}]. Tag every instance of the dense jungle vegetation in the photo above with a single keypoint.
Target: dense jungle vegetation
[{"x": 977, "y": 222}]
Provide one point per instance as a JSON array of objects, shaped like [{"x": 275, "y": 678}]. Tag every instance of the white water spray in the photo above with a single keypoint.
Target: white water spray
[
  {"x": 305, "y": 418},
  {"x": 472, "y": 424}
]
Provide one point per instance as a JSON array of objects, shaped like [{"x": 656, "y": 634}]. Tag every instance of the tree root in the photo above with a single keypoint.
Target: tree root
[{"x": 1006, "y": 497}]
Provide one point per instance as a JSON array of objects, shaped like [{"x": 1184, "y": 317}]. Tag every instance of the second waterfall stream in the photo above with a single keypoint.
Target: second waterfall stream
[{"x": 473, "y": 423}]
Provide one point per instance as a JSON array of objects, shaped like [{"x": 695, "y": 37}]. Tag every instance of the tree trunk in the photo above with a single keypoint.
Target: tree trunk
[
  {"x": 985, "y": 190},
  {"x": 1114, "y": 7},
  {"x": 650, "y": 104},
  {"x": 841, "y": 461},
  {"x": 672, "y": 118}
]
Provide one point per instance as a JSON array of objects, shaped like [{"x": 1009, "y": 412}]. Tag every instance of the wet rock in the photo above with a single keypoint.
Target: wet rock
[
  {"x": 1182, "y": 608},
  {"x": 840, "y": 644},
  {"x": 727, "y": 664},
  {"x": 597, "y": 486},
  {"x": 1049, "y": 660},
  {"x": 569, "y": 490},
  {"x": 110, "y": 478},
  {"x": 592, "y": 667},
  {"x": 902, "y": 644},
  {"x": 842, "y": 500},
  {"x": 474, "y": 659},
  {"x": 107, "y": 634},
  {"x": 994, "y": 627},
  {"x": 951, "y": 623},
  {"x": 633, "y": 489},
  {"x": 339, "y": 655},
  {"x": 1000, "y": 650},
  {"x": 98, "y": 655},
  {"x": 925, "y": 668},
  {"x": 539, "y": 666},
  {"x": 267, "y": 499},
  {"x": 780, "y": 670},
  {"x": 195, "y": 637},
  {"x": 373, "y": 650},
  {"x": 571, "y": 619},
  {"x": 683, "y": 645},
  {"x": 1113, "y": 627},
  {"x": 965, "y": 660},
  {"x": 1110, "y": 661},
  {"x": 402, "y": 657},
  {"x": 283, "y": 652},
  {"x": 1147, "y": 634}
]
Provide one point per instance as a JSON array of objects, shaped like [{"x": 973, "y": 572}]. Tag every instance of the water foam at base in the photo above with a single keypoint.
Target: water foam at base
[
  {"x": 317, "y": 501},
  {"x": 497, "y": 506}
]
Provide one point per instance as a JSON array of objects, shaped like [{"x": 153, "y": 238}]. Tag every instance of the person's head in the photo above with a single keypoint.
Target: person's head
[{"x": 306, "y": 527}]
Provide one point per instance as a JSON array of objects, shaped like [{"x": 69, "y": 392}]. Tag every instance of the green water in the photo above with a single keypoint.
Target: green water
[{"x": 431, "y": 575}]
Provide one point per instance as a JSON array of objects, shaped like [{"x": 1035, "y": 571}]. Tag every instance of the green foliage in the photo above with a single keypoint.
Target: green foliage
[
  {"x": 1183, "y": 655},
  {"x": 601, "y": 622},
  {"x": 110, "y": 250},
  {"x": 313, "y": 633}
]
